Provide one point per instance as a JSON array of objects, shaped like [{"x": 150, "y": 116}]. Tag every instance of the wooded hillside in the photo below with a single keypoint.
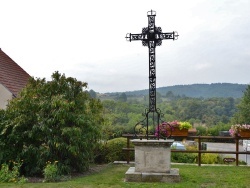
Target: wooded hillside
[{"x": 223, "y": 90}]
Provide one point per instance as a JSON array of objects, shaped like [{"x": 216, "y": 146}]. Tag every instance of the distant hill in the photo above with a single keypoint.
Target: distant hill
[{"x": 199, "y": 90}]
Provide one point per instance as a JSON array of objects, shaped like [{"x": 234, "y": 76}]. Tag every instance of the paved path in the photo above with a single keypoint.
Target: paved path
[{"x": 228, "y": 147}]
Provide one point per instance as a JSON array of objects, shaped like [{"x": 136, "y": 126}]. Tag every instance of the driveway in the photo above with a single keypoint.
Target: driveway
[{"x": 228, "y": 147}]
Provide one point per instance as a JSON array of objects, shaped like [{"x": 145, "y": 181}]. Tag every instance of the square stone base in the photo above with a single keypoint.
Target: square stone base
[
  {"x": 152, "y": 156},
  {"x": 171, "y": 177}
]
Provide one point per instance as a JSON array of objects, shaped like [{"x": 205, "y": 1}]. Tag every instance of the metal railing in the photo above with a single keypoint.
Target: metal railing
[{"x": 199, "y": 139}]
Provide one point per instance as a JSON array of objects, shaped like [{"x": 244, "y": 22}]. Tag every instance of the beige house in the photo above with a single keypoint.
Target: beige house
[{"x": 12, "y": 79}]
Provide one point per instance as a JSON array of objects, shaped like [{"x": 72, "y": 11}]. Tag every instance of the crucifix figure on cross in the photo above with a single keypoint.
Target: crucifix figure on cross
[{"x": 151, "y": 37}]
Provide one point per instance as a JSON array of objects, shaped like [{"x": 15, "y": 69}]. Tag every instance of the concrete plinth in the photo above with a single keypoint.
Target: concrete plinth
[
  {"x": 172, "y": 177},
  {"x": 152, "y": 162}
]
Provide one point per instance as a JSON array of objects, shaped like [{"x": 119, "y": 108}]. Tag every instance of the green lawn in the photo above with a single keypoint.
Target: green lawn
[{"x": 191, "y": 176}]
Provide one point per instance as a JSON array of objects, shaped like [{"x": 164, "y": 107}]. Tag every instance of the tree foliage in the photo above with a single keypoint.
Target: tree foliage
[
  {"x": 122, "y": 97},
  {"x": 209, "y": 111},
  {"x": 242, "y": 116},
  {"x": 92, "y": 93},
  {"x": 202, "y": 113},
  {"x": 51, "y": 121}
]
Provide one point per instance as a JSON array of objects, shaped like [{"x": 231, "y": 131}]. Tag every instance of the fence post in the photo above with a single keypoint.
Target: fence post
[
  {"x": 199, "y": 152},
  {"x": 237, "y": 150},
  {"x": 128, "y": 152}
]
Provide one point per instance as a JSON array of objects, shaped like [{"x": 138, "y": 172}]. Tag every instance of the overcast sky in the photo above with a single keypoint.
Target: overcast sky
[{"x": 86, "y": 40}]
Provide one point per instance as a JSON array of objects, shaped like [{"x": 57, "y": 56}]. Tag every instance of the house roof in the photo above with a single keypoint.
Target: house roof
[{"x": 12, "y": 76}]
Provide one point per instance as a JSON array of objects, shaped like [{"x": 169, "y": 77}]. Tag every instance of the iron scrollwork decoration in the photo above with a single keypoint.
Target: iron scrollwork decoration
[{"x": 151, "y": 37}]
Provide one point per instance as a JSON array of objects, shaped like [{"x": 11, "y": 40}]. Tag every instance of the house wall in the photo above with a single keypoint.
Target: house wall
[{"x": 5, "y": 95}]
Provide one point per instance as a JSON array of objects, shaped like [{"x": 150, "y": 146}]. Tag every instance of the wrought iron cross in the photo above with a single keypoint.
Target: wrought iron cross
[{"x": 152, "y": 36}]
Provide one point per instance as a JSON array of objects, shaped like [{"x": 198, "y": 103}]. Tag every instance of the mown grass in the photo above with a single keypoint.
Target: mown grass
[{"x": 191, "y": 176}]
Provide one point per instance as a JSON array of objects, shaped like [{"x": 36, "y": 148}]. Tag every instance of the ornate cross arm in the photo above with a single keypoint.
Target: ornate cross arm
[
  {"x": 156, "y": 36},
  {"x": 130, "y": 37},
  {"x": 174, "y": 35}
]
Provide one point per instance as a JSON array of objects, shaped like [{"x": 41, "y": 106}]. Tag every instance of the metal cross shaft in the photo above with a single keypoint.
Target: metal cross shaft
[{"x": 152, "y": 36}]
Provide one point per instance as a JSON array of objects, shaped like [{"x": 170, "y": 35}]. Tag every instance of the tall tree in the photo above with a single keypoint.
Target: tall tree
[
  {"x": 92, "y": 93},
  {"x": 242, "y": 116},
  {"x": 122, "y": 97}
]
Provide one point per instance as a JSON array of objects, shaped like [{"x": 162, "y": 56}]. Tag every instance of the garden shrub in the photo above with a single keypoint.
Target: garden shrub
[
  {"x": 210, "y": 158},
  {"x": 11, "y": 173},
  {"x": 51, "y": 172},
  {"x": 53, "y": 120},
  {"x": 183, "y": 157},
  {"x": 114, "y": 150},
  {"x": 206, "y": 158},
  {"x": 100, "y": 152}
]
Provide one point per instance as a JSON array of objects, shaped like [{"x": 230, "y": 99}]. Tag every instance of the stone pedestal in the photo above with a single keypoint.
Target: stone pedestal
[{"x": 152, "y": 162}]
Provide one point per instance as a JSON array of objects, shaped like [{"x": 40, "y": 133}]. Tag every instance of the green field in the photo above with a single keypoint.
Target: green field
[{"x": 191, "y": 176}]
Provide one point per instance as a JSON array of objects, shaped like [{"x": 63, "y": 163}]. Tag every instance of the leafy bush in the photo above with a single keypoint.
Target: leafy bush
[
  {"x": 55, "y": 120},
  {"x": 51, "y": 172},
  {"x": 210, "y": 158},
  {"x": 114, "y": 150},
  {"x": 100, "y": 152},
  {"x": 206, "y": 158},
  {"x": 11, "y": 173},
  {"x": 183, "y": 157}
]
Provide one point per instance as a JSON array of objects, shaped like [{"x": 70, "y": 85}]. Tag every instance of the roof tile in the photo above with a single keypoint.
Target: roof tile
[{"x": 12, "y": 76}]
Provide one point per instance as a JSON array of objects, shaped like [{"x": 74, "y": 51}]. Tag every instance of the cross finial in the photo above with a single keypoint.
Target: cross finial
[{"x": 151, "y": 13}]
